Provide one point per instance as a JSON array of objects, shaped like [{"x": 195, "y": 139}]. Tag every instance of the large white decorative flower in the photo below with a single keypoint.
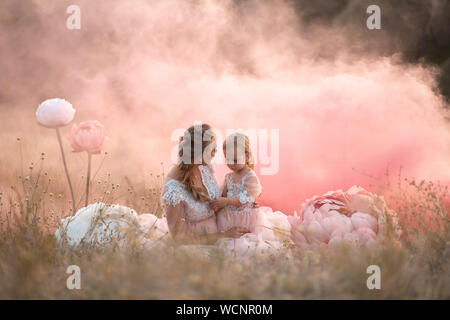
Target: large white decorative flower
[
  {"x": 100, "y": 226},
  {"x": 153, "y": 227},
  {"x": 54, "y": 113}
]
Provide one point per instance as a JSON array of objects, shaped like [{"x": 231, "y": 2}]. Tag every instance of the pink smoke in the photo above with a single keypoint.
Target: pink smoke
[{"x": 145, "y": 69}]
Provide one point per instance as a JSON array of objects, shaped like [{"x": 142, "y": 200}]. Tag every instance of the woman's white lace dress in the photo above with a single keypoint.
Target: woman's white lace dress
[{"x": 198, "y": 215}]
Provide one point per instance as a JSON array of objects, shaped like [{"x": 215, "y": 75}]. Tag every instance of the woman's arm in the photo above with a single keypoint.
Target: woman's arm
[
  {"x": 222, "y": 202},
  {"x": 179, "y": 230},
  {"x": 176, "y": 220}
]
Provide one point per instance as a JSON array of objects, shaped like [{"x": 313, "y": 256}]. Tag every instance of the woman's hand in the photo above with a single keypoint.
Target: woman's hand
[
  {"x": 218, "y": 203},
  {"x": 236, "y": 232}
]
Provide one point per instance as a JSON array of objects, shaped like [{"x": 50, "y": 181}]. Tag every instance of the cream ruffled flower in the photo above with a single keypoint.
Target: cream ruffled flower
[
  {"x": 54, "y": 113},
  {"x": 100, "y": 226}
]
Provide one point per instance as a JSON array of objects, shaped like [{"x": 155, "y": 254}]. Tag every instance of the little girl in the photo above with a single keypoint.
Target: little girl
[
  {"x": 238, "y": 208},
  {"x": 241, "y": 187}
]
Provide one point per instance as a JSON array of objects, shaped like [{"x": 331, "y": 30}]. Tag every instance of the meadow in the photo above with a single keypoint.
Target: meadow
[
  {"x": 33, "y": 265},
  {"x": 347, "y": 100}
]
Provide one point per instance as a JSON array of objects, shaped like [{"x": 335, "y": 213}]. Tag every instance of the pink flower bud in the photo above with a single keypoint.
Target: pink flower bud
[{"x": 87, "y": 136}]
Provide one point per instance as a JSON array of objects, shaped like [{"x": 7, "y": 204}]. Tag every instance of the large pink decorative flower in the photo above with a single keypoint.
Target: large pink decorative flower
[
  {"x": 54, "y": 113},
  {"x": 87, "y": 136},
  {"x": 355, "y": 216}
]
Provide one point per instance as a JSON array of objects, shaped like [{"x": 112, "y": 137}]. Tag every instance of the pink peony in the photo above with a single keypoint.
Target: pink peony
[
  {"x": 355, "y": 216},
  {"x": 87, "y": 136},
  {"x": 54, "y": 113}
]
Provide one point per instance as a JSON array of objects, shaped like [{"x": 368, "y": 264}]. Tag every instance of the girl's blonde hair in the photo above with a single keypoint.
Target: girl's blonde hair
[
  {"x": 240, "y": 141},
  {"x": 186, "y": 162}
]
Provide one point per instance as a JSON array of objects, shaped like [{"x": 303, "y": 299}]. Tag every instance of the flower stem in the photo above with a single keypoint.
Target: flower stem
[
  {"x": 88, "y": 178},
  {"x": 58, "y": 134}
]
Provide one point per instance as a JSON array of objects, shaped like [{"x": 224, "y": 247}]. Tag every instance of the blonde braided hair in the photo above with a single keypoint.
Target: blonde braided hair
[{"x": 186, "y": 162}]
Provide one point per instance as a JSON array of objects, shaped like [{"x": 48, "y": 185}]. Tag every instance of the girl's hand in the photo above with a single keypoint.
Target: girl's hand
[
  {"x": 218, "y": 203},
  {"x": 236, "y": 232}
]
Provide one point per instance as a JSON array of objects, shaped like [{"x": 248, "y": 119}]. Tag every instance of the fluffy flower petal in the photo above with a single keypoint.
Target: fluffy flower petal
[
  {"x": 54, "y": 113},
  {"x": 355, "y": 216}
]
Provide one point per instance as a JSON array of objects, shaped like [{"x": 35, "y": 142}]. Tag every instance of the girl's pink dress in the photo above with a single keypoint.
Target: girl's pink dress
[{"x": 263, "y": 223}]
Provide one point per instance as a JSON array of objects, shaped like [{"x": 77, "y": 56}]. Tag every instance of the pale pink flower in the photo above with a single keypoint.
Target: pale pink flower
[
  {"x": 54, "y": 113},
  {"x": 87, "y": 136},
  {"x": 355, "y": 216}
]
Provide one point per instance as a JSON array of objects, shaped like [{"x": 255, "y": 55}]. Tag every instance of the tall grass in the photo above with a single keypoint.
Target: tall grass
[{"x": 33, "y": 265}]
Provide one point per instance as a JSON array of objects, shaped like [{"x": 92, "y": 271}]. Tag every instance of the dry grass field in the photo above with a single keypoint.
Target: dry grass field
[{"x": 33, "y": 265}]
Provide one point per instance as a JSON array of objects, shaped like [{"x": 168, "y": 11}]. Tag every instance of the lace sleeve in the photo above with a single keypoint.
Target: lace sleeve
[
  {"x": 175, "y": 211},
  {"x": 251, "y": 190},
  {"x": 173, "y": 193}
]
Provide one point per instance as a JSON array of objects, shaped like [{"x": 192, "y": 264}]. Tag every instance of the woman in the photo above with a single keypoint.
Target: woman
[{"x": 190, "y": 186}]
